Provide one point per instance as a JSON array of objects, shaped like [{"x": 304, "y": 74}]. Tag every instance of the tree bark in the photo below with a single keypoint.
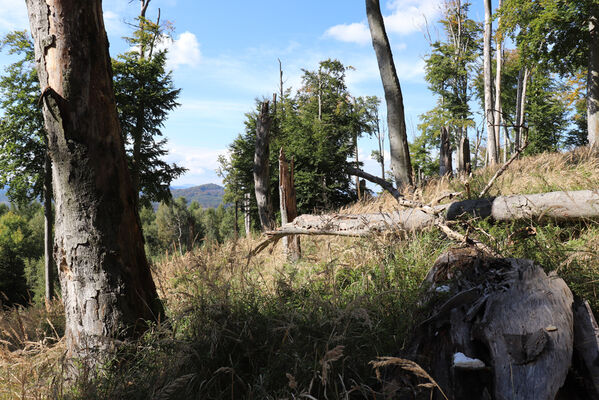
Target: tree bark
[
  {"x": 498, "y": 109},
  {"x": 593, "y": 81},
  {"x": 521, "y": 128},
  {"x": 552, "y": 205},
  {"x": 466, "y": 163},
  {"x": 288, "y": 206},
  {"x": 488, "y": 78},
  {"x": 262, "y": 168},
  {"x": 48, "y": 257},
  {"x": 398, "y": 139},
  {"x": 445, "y": 167},
  {"x": 247, "y": 220},
  {"x": 107, "y": 286}
]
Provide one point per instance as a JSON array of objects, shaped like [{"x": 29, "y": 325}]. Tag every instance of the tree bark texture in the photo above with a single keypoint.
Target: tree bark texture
[
  {"x": 464, "y": 150},
  {"x": 398, "y": 139},
  {"x": 445, "y": 167},
  {"x": 498, "y": 109},
  {"x": 593, "y": 81},
  {"x": 288, "y": 203},
  {"x": 247, "y": 219},
  {"x": 48, "y": 220},
  {"x": 555, "y": 205},
  {"x": 106, "y": 283},
  {"x": 488, "y": 79},
  {"x": 508, "y": 316},
  {"x": 262, "y": 168}
]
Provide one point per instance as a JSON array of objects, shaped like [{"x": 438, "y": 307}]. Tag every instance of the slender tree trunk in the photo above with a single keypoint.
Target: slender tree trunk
[
  {"x": 48, "y": 257},
  {"x": 518, "y": 109},
  {"x": 487, "y": 76},
  {"x": 497, "y": 106},
  {"x": 247, "y": 220},
  {"x": 466, "y": 166},
  {"x": 236, "y": 224},
  {"x": 593, "y": 81},
  {"x": 521, "y": 128},
  {"x": 398, "y": 139},
  {"x": 107, "y": 286},
  {"x": 262, "y": 167},
  {"x": 358, "y": 191}
]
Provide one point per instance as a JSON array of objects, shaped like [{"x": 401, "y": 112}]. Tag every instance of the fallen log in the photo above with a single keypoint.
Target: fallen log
[
  {"x": 499, "y": 329},
  {"x": 553, "y": 205}
]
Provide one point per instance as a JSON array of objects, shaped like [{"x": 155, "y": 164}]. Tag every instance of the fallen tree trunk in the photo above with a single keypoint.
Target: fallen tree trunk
[
  {"x": 499, "y": 329},
  {"x": 554, "y": 205}
]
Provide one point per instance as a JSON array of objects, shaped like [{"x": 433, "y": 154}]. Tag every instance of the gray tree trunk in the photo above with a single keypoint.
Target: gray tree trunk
[
  {"x": 522, "y": 132},
  {"x": 398, "y": 139},
  {"x": 247, "y": 220},
  {"x": 262, "y": 168},
  {"x": 498, "y": 110},
  {"x": 48, "y": 257},
  {"x": 488, "y": 78},
  {"x": 593, "y": 82},
  {"x": 445, "y": 167},
  {"x": 107, "y": 286}
]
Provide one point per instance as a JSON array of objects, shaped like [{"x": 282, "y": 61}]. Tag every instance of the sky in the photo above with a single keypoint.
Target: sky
[{"x": 225, "y": 55}]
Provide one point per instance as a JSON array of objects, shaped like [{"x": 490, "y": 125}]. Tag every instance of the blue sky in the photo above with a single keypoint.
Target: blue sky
[{"x": 224, "y": 55}]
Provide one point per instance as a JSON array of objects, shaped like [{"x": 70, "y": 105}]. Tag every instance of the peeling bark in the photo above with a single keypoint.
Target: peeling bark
[{"x": 107, "y": 288}]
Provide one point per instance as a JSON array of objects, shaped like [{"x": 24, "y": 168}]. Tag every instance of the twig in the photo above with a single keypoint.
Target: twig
[
  {"x": 502, "y": 170},
  {"x": 461, "y": 238}
]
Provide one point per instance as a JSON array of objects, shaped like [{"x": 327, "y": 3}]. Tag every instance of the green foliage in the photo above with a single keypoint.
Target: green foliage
[
  {"x": 145, "y": 95},
  {"x": 317, "y": 127},
  {"x": 22, "y": 133}
]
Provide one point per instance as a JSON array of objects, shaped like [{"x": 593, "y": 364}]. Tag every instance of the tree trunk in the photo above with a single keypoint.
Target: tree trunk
[
  {"x": 498, "y": 116},
  {"x": 48, "y": 257},
  {"x": 521, "y": 128},
  {"x": 464, "y": 150},
  {"x": 593, "y": 81},
  {"x": 488, "y": 78},
  {"x": 262, "y": 168},
  {"x": 445, "y": 167},
  {"x": 107, "y": 286},
  {"x": 518, "y": 108},
  {"x": 247, "y": 219},
  {"x": 582, "y": 204},
  {"x": 398, "y": 139},
  {"x": 236, "y": 223},
  {"x": 288, "y": 206}
]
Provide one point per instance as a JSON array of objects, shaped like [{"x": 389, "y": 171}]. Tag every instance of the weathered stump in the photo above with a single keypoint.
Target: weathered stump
[{"x": 501, "y": 329}]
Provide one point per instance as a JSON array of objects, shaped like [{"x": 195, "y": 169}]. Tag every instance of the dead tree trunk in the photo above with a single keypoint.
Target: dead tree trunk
[
  {"x": 487, "y": 77},
  {"x": 466, "y": 163},
  {"x": 262, "y": 168},
  {"x": 498, "y": 108},
  {"x": 288, "y": 206},
  {"x": 555, "y": 205},
  {"x": 247, "y": 220},
  {"x": 593, "y": 80},
  {"x": 398, "y": 139},
  {"x": 445, "y": 167},
  {"x": 106, "y": 283}
]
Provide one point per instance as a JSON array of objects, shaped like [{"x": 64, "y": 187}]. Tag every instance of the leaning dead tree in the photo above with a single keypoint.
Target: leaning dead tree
[{"x": 107, "y": 287}]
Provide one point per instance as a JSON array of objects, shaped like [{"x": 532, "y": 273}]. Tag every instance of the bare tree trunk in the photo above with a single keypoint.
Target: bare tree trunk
[
  {"x": 522, "y": 102},
  {"x": 246, "y": 215},
  {"x": 107, "y": 286},
  {"x": 464, "y": 150},
  {"x": 398, "y": 139},
  {"x": 445, "y": 167},
  {"x": 498, "y": 115},
  {"x": 593, "y": 81},
  {"x": 518, "y": 108},
  {"x": 48, "y": 257},
  {"x": 358, "y": 191},
  {"x": 487, "y": 77},
  {"x": 262, "y": 168},
  {"x": 288, "y": 206},
  {"x": 236, "y": 223}
]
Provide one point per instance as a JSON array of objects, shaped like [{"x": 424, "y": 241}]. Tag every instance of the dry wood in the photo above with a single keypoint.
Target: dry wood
[
  {"x": 261, "y": 167},
  {"x": 586, "y": 340},
  {"x": 288, "y": 205}
]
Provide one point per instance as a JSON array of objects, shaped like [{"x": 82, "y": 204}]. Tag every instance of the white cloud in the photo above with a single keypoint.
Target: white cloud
[
  {"x": 13, "y": 15},
  {"x": 351, "y": 33},
  {"x": 409, "y": 16},
  {"x": 201, "y": 163},
  {"x": 185, "y": 50}
]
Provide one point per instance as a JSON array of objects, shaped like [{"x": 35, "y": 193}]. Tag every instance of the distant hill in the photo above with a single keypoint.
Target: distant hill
[{"x": 208, "y": 195}]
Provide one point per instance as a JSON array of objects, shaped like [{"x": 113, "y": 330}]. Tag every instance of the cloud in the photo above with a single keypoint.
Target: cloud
[
  {"x": 201, "y": 163},
  {"x": 13, "y": 15},
  {"x": 409, "y": 16},
  {"x": 351, "y": 33},
  {"x": 185, "y": 50}
]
